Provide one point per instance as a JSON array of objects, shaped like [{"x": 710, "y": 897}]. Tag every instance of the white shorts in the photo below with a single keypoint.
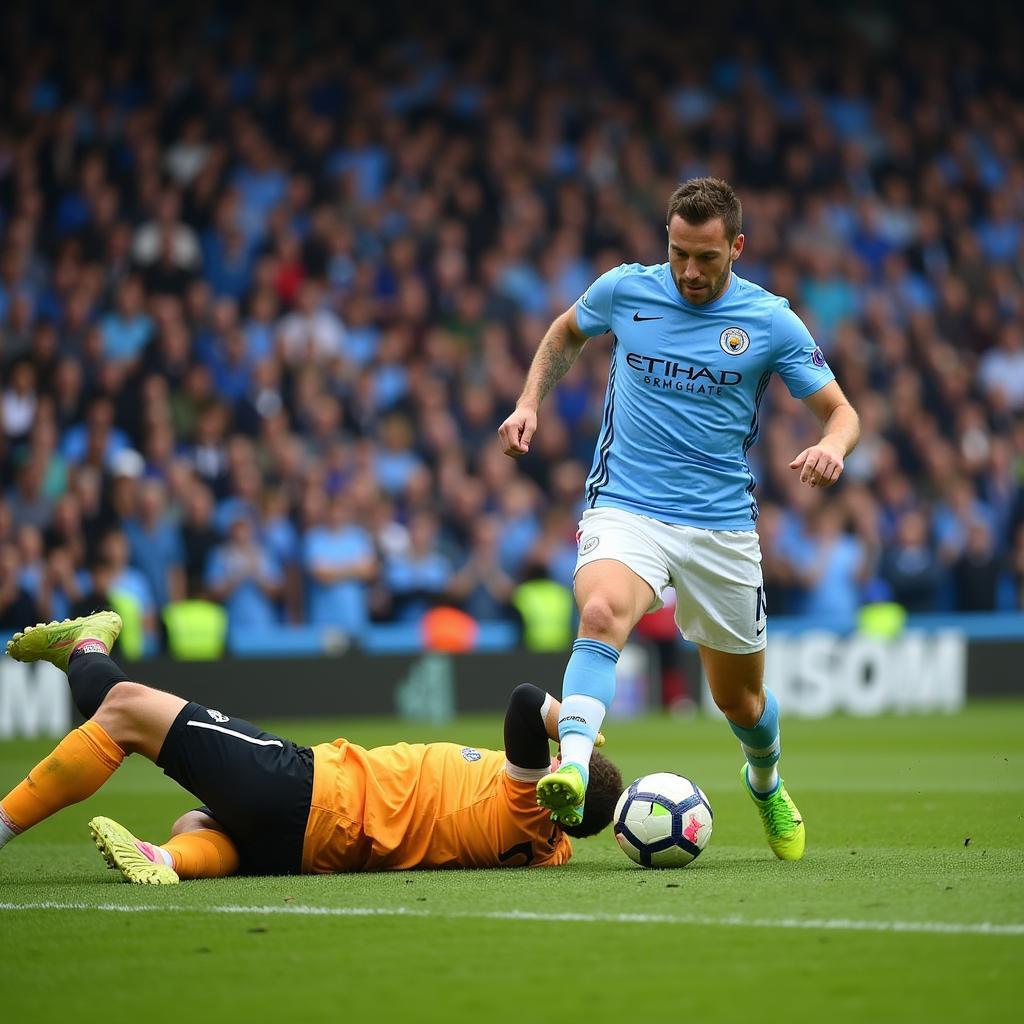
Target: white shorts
[{"x": 716, "y": 573}]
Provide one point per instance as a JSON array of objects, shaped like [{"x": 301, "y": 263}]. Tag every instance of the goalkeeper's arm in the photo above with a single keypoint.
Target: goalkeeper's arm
[{"x": 530, "y": 722}]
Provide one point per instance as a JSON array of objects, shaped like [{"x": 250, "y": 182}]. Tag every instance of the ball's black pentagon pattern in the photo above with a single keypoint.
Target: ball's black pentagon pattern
[{"x": 676, "y": 812}]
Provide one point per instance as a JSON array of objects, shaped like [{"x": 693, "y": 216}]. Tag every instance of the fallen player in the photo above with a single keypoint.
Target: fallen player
[{"x": 273, "y": 807}]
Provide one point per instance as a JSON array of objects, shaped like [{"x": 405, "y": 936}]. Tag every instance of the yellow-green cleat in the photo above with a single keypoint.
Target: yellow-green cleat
[
  {"x": 563, "y": 793},
  {"x": 783, "y": 823},
  {"x": 137, "y": 861},
  {"x": 54, "y": 641}
]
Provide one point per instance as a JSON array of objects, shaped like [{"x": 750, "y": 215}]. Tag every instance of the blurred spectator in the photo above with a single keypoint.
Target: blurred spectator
[
  {"x": 96, "y": 594},
  {"x": 911, "y": 566},
  {"x": 16, "y": 328},
  {"x": 394, "y": 461},
  {"x": 1001, "y": 371},
  {"x": 18, "y": 607},
  {"x": 339, "y": 561},
  {"x": 187, "y": 156},
  {"x": 155, "y": 543},
  {"x": 62, "y": 585},
  {"x": 976, "y": 572},
  {"x": 520, "y": 527},
  {"x": 481, "y": 585},
  {"x": 42, "y": 450},
  {"x": 166, "y": 235},
  {"x": 280, "y": 539},
  {"x": 32, "y": 570},
  {"x": 311, "y": 333},
  {"x": 130, "y": 586},
  {"x": 27, "y": 501},
  {"x": 242, "y": 576},
  {"x": 126, "y": 329},
  {"x": 198, "y": 536},
  {"x": 954, "y": 515},
  {"x": 660, "y": 629},
  {"x": 208, "y": 454},
  {"x": 18, "y": 401},
  {"x": 418, "y": 576},
  {"x": 828, "y": 564},
  {"x": 96, "y": 441}
]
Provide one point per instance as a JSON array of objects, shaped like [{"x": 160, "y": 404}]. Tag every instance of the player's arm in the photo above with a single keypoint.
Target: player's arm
[
  {"x": 822, "y": 463},
  {"x": 802, "y": 366},
  {"x": 527, "y": 751},
  {"x": 556, "y": 353},
  {"x": 530, "y": 722}
]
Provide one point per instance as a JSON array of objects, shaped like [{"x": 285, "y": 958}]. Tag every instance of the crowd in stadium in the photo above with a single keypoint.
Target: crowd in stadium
[{"x": 268, "y": 285}]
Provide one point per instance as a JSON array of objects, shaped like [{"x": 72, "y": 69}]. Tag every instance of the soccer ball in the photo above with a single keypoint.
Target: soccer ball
[{"x": 663, "y": 821}]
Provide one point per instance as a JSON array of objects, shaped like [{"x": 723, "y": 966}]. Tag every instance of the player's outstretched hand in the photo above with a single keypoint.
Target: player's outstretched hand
[
  {"x": 517, "y": 430},
  {"x": 820, "y": 465}
]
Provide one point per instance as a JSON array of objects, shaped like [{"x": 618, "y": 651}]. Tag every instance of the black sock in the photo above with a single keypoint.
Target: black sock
[{"x": 92, "y": 677}]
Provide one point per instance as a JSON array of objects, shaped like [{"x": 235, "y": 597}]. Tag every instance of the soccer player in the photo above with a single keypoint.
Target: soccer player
[
  {"x": 670, "y": 495},
  {"x": 273, "y": 807}
]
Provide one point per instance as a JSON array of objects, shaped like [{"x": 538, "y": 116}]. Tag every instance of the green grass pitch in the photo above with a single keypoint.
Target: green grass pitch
[{"x": 909, "y": 905}]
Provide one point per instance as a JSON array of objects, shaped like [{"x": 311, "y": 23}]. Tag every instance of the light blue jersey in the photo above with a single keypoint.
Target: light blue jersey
[{"x": 684, "y": 386}]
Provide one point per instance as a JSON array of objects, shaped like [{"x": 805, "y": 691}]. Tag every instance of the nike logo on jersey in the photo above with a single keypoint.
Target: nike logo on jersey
[{"x": 639, "y": 319}]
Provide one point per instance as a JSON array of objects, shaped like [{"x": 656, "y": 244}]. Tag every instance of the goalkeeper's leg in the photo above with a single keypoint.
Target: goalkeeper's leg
[{"x": 123, "y": 717}]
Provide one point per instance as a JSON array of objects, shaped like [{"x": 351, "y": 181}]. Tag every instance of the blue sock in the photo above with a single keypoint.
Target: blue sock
[
  {"x": 761, "y": 747},
  {"x": 588, "y": 687}
]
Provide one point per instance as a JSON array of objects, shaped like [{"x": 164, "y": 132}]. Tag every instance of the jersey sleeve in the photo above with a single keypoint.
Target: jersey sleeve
[
  {"x": 796, "y": 357},
  {"x": 526, "y": 738},
  {"x": 594, "y": 306}
]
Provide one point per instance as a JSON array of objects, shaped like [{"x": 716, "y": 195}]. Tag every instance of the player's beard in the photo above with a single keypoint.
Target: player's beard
[{"x": 712, "y": 293}]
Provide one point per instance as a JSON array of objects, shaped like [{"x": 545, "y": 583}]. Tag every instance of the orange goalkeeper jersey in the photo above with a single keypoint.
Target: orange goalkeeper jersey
[{"x": 434, "y": 805}]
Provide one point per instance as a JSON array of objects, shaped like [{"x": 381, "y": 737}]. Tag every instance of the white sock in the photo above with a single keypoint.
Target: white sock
[
  {"x": 584, "y": 711},
  {"x": 763, "y": 780},
  {"x": 167, "y": 858},
  {"x": 576, "y": 748},
  {"x": 6, "y": 833}
]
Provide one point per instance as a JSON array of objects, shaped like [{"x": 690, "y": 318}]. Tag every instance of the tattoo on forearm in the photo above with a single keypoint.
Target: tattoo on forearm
[{"x": 551, "y": 363}]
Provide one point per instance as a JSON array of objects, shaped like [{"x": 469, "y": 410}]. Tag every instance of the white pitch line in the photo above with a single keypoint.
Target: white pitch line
[{"x": 827, "y": 924}]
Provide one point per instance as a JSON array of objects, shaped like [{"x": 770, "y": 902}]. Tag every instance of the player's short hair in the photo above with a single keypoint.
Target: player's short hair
[
  {"x": 603, "y": 791},
  {"x": 702, "y": 199}
]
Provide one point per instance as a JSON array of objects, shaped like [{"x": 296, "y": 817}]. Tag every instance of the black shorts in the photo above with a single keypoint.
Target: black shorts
[{"x": 258, "y": 786}]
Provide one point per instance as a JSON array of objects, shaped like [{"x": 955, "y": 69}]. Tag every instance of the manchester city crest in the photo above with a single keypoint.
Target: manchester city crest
[{"x": 734, "y": 341}]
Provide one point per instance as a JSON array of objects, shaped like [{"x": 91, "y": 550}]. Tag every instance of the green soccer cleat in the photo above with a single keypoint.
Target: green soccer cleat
[
  {"x": 54, "y": 641},
  {"x": 563, "y": 793},
  {"x": 782, "y": 821},
  {"x": 137, "y": 861}
]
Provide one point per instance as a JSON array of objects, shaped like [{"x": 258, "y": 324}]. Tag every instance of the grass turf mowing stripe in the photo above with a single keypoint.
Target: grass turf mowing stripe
[{"x": 834, "y": 924}]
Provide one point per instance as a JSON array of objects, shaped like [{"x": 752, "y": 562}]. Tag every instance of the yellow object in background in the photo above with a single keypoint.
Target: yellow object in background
[
  {"x": 132, "y": 641},
  {"x": 196, "y": 630},
  {"x": 883, "y": 620},
  {"x": 546, "y": 608}
]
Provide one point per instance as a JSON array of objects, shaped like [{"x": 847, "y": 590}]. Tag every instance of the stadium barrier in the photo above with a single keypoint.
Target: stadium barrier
[
  {"x": 933, "y": 665},
  {"x": 818, "y": 673}
]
